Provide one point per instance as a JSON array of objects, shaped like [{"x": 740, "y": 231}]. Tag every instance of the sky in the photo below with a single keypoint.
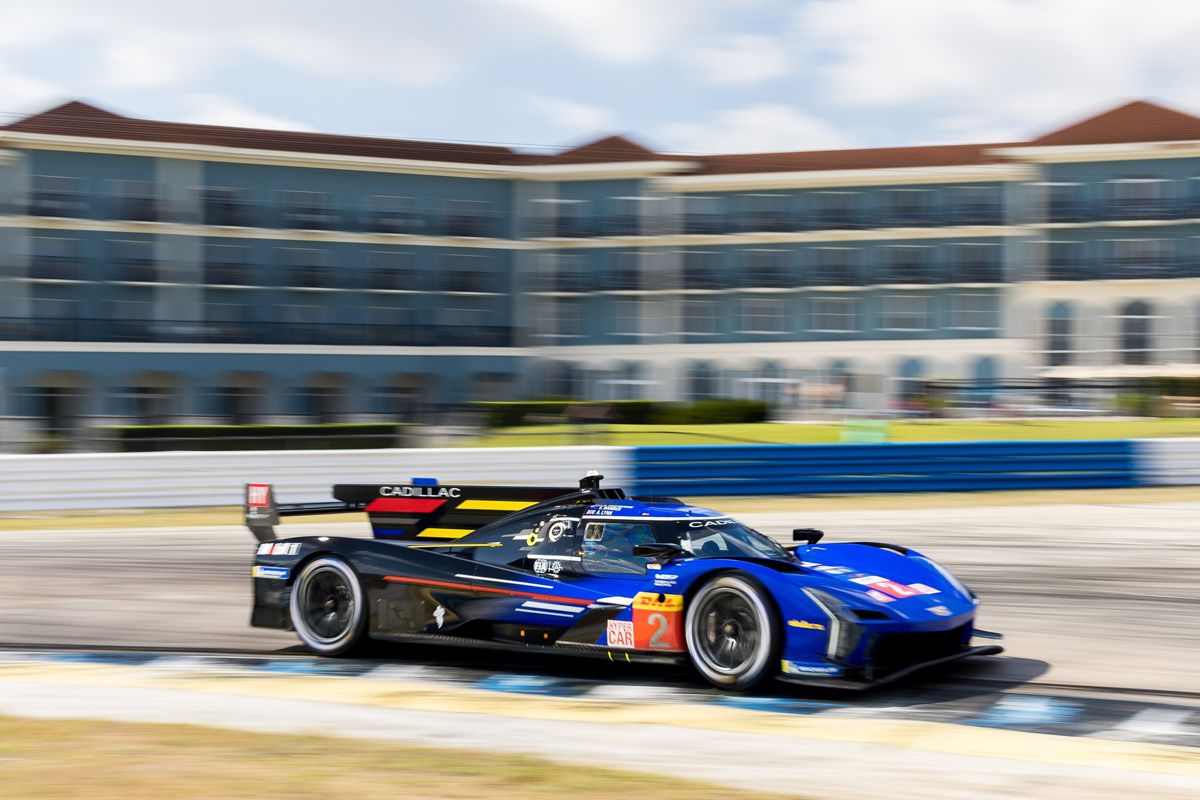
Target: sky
[{"x": 683, "y": 76}]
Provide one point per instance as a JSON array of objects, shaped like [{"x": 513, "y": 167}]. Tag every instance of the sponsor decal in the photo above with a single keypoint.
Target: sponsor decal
[
  {"x": 665, "y": 579},
  {"x": 879, "y": 596},
  {"x": 828, "y": 569},
  {"x": 709, "y": 523},
  {"x": 658, "y": 621},
  {"x": 941, "y": 611},
  {"x": 801, "y": 623},
  {"x": 420, "y": 491},
  {"x": 554, "y": 567},
  {"x": 274, "y": 573},
  {"x": 559, "y": 528},
  {"x": 258, "y": 495},
  {"x": 891, "y": 588},
  {"x": 540, "y": 566},
  {"x": 620, "y": 634},
  {"x": 796, "y": 668},
  {"x": 279, "y": 548},
  {"x": 439, "y": 614},
  {"x": 923, "y": 589}
]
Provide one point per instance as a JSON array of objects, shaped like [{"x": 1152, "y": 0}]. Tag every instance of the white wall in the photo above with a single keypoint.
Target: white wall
[{"x": 149, "y": 480}]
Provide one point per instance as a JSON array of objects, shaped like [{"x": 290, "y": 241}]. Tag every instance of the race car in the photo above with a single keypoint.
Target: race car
[{"x": 590, "y": 571}]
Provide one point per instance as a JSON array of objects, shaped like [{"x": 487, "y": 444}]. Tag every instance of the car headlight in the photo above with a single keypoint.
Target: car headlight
[{"x": 844, "y": 630}]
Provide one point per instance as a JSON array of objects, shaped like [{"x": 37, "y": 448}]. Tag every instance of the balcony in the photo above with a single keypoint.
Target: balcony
[
  {"x": 906, "y": 273},
  {"x": 765, "y": 277},
  {"x": 1067, "y": 270},
  {"x": 312, "y": 277},
  {"x": 766, "y": 222},
  {"x": 837, "y": 219},
  {"x": 978, "y": 272},
  {"x": 1153, "y": 268},
  {"x": 229, "y": 275},
  {"x": 393, "y": 222},
  {"x": 228, "y": 213},
  {"x": 390, "y": 280},
  {"x": 56, "y": 204},
  {"x": 56, "y": 268},
  {"x": 978, "y": 215},
  {"x": 836, "y": 275},
  {"x": 111, "y": 330},
  {"x": 135, "y": 209},
  {"x": 468, "y": 225},
  {"x": 307, "y": 218},
  {"x": 473, "y": 282},
  {"x": 623, "y": 279},
  {"x": 136, "y": 271},
  {"x": 909, "y": 218},
  {"x": 704, "y": 278},
  {"x": 571, "y": 281}
]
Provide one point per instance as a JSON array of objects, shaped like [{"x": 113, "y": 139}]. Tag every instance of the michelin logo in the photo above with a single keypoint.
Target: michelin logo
[{"x": 274, "y": 573}]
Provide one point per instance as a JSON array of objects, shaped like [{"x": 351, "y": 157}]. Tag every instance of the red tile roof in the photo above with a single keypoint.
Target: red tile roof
[
  {"x": 1138, "y": 121},
  {"x": 81, "y": 119},
  {"x": 1134, "y": 122}
]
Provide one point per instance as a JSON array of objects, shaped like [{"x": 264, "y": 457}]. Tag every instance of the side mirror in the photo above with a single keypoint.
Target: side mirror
[
  {"x": 807, "y": 535},
  {"x": 659, "y": 551}
]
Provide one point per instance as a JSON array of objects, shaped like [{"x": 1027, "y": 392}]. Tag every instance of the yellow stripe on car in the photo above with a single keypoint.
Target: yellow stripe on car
[
  {"x": 493, "y": 505},
  {"x": 443, "y": 533}
]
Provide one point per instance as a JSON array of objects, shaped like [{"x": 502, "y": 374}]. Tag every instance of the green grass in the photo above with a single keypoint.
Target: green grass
[
  {"x": 826, "y": 433},
  {"x": 50, "y": 760}
]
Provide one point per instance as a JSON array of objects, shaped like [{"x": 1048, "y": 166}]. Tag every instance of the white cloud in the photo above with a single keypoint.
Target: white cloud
[
  {"x": 568, "y": 118},
  {"x": 999, "y": 65},
  {"x": 212, "y": 109},
  {"x": 740, "y": 60},
  {"x": 762, "y": 127},
  {"x": 20, "y": 92}
]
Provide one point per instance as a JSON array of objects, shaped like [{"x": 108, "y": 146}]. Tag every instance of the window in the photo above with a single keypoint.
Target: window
[
  {"x": 608, "y": 547},
  {"x": 55, "y": 318},
  {"x": 305, "y": 210},
  {"x": 1136, "y": 323},
  {"x": 624, "y": 274},
  {"x": 906, "y": 313},
  {"x": 559, "y": 217},
  {"x": 133, "y": 260},
  {"x": 834, "y": 314},
  {"x": 626, "y": 215},
  {"x": 627, "y": 317},
  {"x": 764, "y": 269},
  {"x": 225, "y": 205},
  {"x": 909, "y": 264},
  {"x": 908, "y": 206},
  {"x": 700, "y": 316},
  {"x": 1064, "y": 261},
  {"x": 225, "y": 265},
  {"x": 131, "y": 320},
  {"x": 702, "y": 214},
  {"x": 465, "y": 315},
  {"x": 763, "y": 315},
  {"x": 229, "y": 322},
  {"x": 56, "y": 258},
  {"x": 1138, "y": 198},
  {"x": 835, "y": 266},
  {"x": 305, "y": 268},
  {"x": 393, "y": 214},
  {"x": 976, "y": 263},
  {"x": 560, "y": 317},
  {"x": 55, "y": 196},
  {"x": 135, "y": 200},
  {"x": 978, "y": 205},
  {"x": 1059, "y": 332},
  {"x": 765, "y": 212},
  {"x": 702, "y": 270},
  {"x": 974, "y": 311},
  {"x": 1137, "y": 258},
  {"x": 391, "y": 270},
  {"x": 467, "y": 274},
  {"x": 467, "y": 218},
  {"x": 1061, "y": 202},
  {"x": 836, "y": 209}
]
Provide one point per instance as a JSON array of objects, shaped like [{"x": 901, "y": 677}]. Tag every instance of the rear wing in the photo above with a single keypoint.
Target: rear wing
[{"x": 422, "y": 511}]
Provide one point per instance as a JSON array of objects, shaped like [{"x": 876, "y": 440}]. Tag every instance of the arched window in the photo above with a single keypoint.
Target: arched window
[
  {"x": 909, "y": 385},
  {"x": 1136, "y": 334},
  {"x": 1060, "y": 330},
  {"x": 701, "y": 381}
]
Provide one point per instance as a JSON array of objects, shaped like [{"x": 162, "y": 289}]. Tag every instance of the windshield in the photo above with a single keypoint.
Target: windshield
[{"x": 717, "y": 538}]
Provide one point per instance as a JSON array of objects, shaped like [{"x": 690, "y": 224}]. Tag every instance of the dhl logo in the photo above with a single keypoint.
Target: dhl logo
[{"x": 653, "y": 601}]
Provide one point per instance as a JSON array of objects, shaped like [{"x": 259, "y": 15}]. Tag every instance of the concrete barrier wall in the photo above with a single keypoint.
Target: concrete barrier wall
[{"x": 150, "y": 480}]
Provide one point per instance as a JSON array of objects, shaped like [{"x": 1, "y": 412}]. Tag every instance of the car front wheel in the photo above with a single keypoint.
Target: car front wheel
[{"x": 733, "y": 633}]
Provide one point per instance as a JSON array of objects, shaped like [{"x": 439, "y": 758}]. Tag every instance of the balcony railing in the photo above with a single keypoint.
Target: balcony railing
[
  {"x": 117, "y": 330},
  {"x": 707, "y": 278},
  {"x": 56, "y": 269},
  {"x": 312, "y": 278},
  {"x": 229, "y": 275},
  {"x": 832, "y": 275},
  {"x": 136, "y": 271},
  {"x": 977, "y": 272}
]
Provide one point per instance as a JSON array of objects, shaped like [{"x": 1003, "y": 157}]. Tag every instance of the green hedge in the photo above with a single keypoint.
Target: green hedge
[
  {"x": 331, "y": 436},
  {"x": 622, "y": 412}
]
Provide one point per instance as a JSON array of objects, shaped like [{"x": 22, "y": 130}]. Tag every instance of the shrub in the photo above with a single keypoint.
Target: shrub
[
  {"x": 625, "y": 412},
  {"x": 330, "y": 436}
]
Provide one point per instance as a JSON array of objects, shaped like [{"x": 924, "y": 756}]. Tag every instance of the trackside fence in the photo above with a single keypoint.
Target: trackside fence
[
  {"x": 148, "y": 480},
  {"x": 927, "y": 467}
]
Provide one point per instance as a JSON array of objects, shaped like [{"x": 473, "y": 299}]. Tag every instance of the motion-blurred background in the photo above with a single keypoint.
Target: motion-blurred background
[{"x": 963, "y": 251}]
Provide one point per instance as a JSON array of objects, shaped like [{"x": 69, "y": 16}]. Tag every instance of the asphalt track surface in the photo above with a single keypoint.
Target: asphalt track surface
[{"x": 1098, "y": 605}]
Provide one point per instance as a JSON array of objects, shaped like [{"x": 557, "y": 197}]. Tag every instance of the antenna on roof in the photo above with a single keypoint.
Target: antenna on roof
[{"x": 591, "y": 481}]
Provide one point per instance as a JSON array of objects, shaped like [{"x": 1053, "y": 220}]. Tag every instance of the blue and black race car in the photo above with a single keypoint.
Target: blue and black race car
[{"x": 594, "y": 572}]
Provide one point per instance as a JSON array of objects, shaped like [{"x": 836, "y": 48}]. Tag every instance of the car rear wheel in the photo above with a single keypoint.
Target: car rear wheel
[
  {"x": 327, "y": 607},
  {"x": 732, "y": 633}
]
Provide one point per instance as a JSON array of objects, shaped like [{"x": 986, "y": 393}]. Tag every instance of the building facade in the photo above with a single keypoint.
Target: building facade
[{"x": 167, "y": 272}]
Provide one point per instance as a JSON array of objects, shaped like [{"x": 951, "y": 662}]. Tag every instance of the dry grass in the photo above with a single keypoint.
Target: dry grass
[{"x": 49, "y": 760}]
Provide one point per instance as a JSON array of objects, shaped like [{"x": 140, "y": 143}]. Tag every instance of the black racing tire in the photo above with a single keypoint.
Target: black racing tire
[
  {"x": 733, "y": 633},
  {"x": 328, "y": 607}
]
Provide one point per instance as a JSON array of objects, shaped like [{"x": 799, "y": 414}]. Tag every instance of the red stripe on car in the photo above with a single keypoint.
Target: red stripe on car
[
  {"x": 414, "y": 505},
  {"x": 574, "y": 601}
]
